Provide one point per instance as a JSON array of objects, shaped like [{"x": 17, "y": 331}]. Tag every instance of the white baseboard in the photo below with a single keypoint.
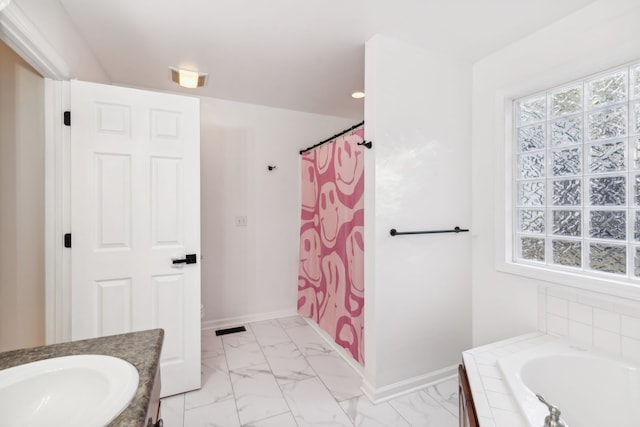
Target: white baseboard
[
  {"x": 337, "y": 348},
  {"x": 235, "y": 321},
  {"x": 391, "y": 391}
]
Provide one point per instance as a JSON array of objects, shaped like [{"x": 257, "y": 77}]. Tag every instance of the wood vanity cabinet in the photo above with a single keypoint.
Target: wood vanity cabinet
[
  {"x": 466, "y": 408},
  {"x": 153, "y": 413}
]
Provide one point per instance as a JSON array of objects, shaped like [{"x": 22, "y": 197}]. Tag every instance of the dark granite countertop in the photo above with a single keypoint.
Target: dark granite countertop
[{"x": 141, "y": 349}]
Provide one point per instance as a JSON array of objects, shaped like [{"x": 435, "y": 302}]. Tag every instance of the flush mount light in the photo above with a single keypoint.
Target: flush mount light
[
  {"x": 357, "y": 95},
  {"x": 187, "y": 78}
]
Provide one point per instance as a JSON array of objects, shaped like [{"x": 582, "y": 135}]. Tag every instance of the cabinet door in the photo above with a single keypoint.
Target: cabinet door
[
  {"x": 153, "y": 413},
  {"x": 466, "y": 408}
]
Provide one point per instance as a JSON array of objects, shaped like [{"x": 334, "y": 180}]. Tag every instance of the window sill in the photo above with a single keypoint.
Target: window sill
[{"x": 553, "y": 278}]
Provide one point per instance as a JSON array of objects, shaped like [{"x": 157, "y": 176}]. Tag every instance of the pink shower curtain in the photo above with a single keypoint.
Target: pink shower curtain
[{"x": 331, "y": 269}]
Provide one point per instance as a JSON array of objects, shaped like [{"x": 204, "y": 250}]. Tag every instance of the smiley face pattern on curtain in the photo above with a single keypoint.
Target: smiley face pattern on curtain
[{"x": 331, "y": 269}]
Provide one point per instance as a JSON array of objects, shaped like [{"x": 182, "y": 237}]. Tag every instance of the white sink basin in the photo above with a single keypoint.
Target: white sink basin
[{"x": 86, "y": 390}]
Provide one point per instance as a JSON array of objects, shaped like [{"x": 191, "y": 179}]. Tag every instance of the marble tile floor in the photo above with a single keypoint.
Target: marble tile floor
[{"x": 281, "y": 373}]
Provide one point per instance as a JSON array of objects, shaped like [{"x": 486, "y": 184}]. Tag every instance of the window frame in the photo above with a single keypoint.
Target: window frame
[{"x": 506, "y": 192}]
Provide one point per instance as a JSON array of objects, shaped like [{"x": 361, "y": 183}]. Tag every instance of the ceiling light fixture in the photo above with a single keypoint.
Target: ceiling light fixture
[
  {"x": 357, "y": 95},
  {"x": 187, "y": 78}
]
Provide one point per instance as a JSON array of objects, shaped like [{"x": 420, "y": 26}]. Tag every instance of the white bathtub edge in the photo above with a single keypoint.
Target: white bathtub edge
[{"x": 495, "y": 405}]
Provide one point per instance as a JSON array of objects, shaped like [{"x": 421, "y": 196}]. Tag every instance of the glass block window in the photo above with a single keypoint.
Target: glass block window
[{"x": 577, "y": 176}]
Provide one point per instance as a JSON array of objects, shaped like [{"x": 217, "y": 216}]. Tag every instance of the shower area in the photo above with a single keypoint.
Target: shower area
[{"x": 331, "y": 267}]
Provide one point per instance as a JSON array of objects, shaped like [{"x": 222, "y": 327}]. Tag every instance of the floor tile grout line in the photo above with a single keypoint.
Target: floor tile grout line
[
  {"x": 274, "y": 376},
  {"x": 233, "y": 390},
  {"x": 455, "y": 414},
  {"x": 277, "y": 324},
  {"x": 434, "y": 399},
  {"x": 317, "y": 375},
  {"x": 398, "y": 412},
  {"x": 311, "y": 366},
  {"x": 396, "y": 409},
  {"x": 209, "y": 403},
  {"x": 431, "y": 398}
]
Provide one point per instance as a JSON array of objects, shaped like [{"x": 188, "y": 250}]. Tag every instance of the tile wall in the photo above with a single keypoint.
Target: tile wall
[{"x": 605, "y": 322}]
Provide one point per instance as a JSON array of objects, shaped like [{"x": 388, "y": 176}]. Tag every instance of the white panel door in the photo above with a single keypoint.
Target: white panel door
[{"x": 135, "y": 178}]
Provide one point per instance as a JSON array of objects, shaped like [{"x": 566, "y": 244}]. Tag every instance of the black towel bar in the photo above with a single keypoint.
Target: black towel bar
[{"x": 456, "y": 230}]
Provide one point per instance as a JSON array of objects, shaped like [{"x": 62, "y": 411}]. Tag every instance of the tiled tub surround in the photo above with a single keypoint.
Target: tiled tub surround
[
  {"x": 282, "y": 373},
  {"x": 606, "y": 323},
  {"x": 141, "y": 349},
  {"x": 494, "y": 403}
]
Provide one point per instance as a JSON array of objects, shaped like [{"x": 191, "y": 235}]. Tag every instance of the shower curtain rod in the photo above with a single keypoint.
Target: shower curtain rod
[{"x": 332, "y": 138}]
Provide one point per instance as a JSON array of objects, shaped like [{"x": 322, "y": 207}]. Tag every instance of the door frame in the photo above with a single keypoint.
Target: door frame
[{"x": 19, "y": 33}]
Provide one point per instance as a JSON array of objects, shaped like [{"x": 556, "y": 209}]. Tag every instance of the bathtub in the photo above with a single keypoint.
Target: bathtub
[{"x": 590, "y": 388}]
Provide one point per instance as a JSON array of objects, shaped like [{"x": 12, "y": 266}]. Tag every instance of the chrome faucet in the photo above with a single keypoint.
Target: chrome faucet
[{"x": 553, "y": 419}]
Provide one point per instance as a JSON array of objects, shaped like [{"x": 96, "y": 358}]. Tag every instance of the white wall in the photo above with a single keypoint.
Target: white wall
[
  {"x": 21, "y": 203},
  {"x": 53, "y": 22},
  {"x": 600, "y": 36},
  {"x": 251, "y": 272},
  {"x": 417, "y": 177}
]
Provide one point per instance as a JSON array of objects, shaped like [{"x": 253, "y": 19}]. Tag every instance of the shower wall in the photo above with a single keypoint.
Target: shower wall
[{"x": 417, "y": 177}]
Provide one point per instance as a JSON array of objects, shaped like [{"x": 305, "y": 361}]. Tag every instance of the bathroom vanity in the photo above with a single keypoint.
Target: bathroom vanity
[
  {"x": 140, "y": 349},
  {"x": 466, "y": 408}
]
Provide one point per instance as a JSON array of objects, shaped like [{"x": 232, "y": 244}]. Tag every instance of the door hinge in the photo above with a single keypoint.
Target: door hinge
[
  {"x": 67, "y": 118},
  {"x": 67, "y": 240}
]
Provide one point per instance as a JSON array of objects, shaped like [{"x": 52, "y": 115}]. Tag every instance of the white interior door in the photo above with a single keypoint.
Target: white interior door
[{"x": 135, "y": 206}]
